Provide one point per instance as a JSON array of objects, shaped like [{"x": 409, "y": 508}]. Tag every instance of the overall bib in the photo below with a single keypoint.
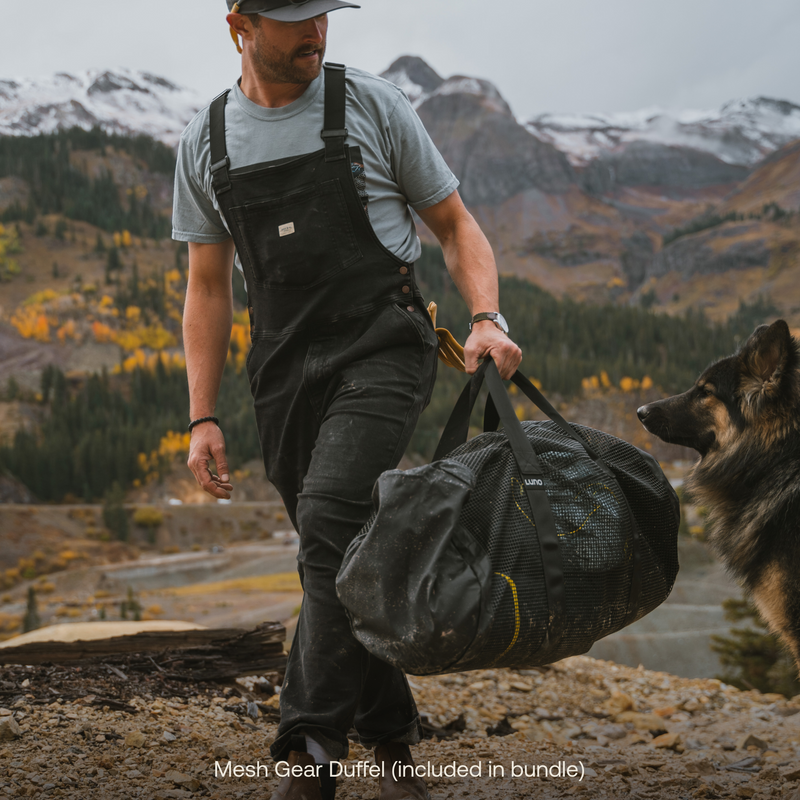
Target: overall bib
[{"x": 342, "y": 363}]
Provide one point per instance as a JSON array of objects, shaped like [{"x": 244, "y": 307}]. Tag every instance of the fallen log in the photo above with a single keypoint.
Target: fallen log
[{"x": 192, "y": 655}]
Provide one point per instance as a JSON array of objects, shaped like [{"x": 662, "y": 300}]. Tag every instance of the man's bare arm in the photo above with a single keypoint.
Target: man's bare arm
[
  {"x": 207, "y": 320},
  {"x": 471, "y": 264}
]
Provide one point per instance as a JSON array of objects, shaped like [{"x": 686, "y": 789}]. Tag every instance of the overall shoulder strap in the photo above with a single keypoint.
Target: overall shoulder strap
[
  {"x": 335, "y": 131},
  {"x": 220, "y": 163}
]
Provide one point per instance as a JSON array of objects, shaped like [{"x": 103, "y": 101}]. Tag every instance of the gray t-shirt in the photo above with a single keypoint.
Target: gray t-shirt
[{"x": 402, "y": 165}]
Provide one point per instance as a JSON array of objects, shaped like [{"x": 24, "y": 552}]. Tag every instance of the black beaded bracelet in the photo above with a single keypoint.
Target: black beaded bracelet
[{"x": 196, "y": 422}]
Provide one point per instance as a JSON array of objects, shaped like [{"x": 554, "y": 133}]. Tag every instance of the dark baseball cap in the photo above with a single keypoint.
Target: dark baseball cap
[{"x": 287, "y": 10}]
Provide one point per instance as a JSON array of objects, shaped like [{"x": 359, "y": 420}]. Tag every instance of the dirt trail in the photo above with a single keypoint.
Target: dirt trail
[{"x": 630, "y": 733}]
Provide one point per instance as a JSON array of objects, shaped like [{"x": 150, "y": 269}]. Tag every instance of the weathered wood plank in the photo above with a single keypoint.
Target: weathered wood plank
[{"x": 191, "y": 655}]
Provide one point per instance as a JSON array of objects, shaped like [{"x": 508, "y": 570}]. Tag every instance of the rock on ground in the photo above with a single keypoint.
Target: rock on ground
[{"x": 580, "y": 729}]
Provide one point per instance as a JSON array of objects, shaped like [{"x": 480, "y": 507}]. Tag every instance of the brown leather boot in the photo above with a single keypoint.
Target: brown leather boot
[
  {"x": 406, "y": 787},
  {"x": 306, "y": 786}
]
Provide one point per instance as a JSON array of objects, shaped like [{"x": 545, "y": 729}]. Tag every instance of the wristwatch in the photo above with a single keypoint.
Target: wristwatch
[{"x": 494, "y": 316}]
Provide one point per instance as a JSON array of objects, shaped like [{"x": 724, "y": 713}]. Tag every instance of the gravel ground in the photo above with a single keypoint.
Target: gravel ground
[{"x": 581, "y": 728}]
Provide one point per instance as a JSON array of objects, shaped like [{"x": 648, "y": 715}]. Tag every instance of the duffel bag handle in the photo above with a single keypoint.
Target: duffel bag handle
[
  {"x": 499, "y": 408},
  {"x": 533, "y": 480},
  {"x": 456, "y": 430},
  {"x": 491, "y": 419}
]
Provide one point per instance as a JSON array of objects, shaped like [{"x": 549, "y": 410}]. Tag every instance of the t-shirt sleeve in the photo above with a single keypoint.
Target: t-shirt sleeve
[
  {"x": 422, "y": 174},
  {"x": 194, "y": 217}
]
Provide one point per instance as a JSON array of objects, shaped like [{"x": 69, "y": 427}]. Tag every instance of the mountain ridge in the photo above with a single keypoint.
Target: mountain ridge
[
  {"x": 118, "y": 101},
  {"x": 642, "y": 219},
  {"x": 741, "y": 132}
]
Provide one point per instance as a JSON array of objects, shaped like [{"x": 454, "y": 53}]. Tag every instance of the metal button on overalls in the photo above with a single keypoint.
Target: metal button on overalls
[{"x": 340, "y": 368}]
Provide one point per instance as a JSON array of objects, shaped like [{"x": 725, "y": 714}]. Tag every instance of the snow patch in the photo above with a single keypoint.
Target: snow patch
[
  {"x": 741, "y": 132},
  {"x": 120, "y": 101}
]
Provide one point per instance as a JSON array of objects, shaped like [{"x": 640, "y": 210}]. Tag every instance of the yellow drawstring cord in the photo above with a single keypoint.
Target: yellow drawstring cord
[
  {"x": 234, "y": 35},
  {"x": 450, "y": 351}
]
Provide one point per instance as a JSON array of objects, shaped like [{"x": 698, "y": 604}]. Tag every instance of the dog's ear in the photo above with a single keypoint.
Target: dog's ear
[{"x": 766, "y": 353}]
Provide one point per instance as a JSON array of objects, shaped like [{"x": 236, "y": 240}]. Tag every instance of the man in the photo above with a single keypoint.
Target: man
[{"x": 307, "y": 175}]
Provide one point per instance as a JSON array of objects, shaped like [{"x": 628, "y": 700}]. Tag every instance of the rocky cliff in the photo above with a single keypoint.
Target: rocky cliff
[
  {"x": 581, "y": 204},
  {"x": 643, "y": 163},
  {"x": 494, "y": 157}
]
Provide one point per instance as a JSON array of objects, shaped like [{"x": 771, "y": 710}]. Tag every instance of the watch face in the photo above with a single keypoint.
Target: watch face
[{"x": 495, "y": 316}]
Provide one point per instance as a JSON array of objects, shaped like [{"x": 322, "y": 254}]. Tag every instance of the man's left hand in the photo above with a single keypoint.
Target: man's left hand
[{"x": 487, "y": 339}]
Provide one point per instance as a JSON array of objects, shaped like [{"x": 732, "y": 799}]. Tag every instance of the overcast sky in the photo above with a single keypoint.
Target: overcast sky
[{"x": 543, "y": 55}]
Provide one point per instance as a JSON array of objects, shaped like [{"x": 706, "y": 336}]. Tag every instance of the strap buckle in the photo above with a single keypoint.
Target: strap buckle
[{"x": 221, "y": 164}]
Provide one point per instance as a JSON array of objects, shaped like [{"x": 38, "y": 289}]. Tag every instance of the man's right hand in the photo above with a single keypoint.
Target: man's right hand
[
  {"x": 208, "y": 444},
  {"x": 207, "y": 318}
]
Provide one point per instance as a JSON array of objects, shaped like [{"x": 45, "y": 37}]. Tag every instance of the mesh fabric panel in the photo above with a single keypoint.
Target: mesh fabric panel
[{"x": 595, "y": 534}]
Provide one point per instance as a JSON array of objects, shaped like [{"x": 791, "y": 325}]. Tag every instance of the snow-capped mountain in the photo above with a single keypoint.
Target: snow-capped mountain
[
  {"x": 127, "y": 101},
  {"x": 741, "y": 132},
  {"x": 122, "y": 101},
  {"x": 420, "y": 83}
]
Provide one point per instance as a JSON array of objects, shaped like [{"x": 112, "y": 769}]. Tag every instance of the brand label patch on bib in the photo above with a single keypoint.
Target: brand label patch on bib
[{"x": 286, "y": 230}]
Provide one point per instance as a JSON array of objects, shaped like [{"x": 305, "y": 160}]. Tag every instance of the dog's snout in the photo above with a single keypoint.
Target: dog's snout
[{"x": 643, "y": 412}]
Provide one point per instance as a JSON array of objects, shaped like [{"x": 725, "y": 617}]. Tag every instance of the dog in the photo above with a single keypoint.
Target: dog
[{"x": 743, "y": 416}]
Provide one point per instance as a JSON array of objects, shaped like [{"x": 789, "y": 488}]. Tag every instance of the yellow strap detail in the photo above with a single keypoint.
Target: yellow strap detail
[
  {"x": 234, "y": 35},
  {"x": 516, "y": 612},
  {"x": 450, "y": 351}
]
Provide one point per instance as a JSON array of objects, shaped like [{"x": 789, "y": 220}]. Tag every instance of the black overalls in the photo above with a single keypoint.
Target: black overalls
[{"x": 342, "y": 364}]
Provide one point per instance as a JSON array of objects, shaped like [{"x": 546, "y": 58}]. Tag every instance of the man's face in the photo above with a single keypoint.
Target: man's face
[{"x": 290, "y": 52}]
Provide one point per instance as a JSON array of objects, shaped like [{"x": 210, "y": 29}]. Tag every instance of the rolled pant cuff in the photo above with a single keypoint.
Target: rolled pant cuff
[
  {"x": 335, "y": 745},
  {"x": 408, "y": 734}
]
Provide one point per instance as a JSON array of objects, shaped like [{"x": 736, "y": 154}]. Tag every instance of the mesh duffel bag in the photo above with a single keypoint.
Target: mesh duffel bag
[{"x": 515, "y": 549}]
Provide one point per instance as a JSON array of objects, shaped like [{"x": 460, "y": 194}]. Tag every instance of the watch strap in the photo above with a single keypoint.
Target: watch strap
[{"x": 493, "y": 316}]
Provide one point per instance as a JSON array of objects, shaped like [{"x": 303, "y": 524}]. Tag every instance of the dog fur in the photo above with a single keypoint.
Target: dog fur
[{"x": 743, "y": 416}]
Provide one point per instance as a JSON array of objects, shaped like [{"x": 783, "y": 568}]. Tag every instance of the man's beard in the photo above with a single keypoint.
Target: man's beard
[{"x": 276, "y": 66}]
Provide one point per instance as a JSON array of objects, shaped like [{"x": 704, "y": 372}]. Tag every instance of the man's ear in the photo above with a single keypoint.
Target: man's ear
[
  {"x": 241, "y": 25},
  {"x": 766, "y": 353}
]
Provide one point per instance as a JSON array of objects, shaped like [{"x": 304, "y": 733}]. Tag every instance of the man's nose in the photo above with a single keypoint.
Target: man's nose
[{"x": 316, "y": 29}]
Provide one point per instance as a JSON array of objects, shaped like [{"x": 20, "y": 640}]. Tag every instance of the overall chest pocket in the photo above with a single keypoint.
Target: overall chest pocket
[{"x": 299, "y": 240}]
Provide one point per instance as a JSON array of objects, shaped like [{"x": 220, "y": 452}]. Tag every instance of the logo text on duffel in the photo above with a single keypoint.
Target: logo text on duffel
[{"x": 534, "y": 483}]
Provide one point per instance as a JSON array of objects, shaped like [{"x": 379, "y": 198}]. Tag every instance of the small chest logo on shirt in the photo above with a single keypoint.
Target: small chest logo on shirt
[{"x": 286, "y": 230}]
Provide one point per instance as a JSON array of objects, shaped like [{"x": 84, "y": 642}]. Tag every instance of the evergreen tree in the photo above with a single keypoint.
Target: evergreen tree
[
  {"x": 113, "y": 260},
  {"x": 31, "y": 621},
  {"x": 58, "y": 186},
  {"x": 114, "y": 516},
  {"x": 12, "y": 389},
  {"x": 48, "y": 376},
  {"x": 130, "y": 605}
]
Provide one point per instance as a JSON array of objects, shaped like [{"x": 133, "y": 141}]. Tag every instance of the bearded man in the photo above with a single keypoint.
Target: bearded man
[{"x": 306, "y": 175}]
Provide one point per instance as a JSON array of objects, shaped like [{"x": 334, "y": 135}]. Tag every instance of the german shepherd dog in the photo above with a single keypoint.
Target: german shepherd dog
[{"x": 743, "y": 416}]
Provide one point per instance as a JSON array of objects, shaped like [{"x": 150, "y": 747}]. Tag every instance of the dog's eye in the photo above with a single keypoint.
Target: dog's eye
[{"x": 704, "y": 391}]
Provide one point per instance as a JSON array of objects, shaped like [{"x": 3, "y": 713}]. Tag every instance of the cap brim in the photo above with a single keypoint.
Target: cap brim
[{"x": 313, "y": 8}]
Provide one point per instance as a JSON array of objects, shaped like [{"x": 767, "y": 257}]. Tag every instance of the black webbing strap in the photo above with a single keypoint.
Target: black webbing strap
[
  {"x": 491, "y": 421},
  {"x": 499, "y": 408},
  {"x": 539, "y": 399},
  {"x": 534, "y": 481},
  {"x": 491, "y": 418},
  {"x": 220, "y": 163},
  {"x": 335, "y": 101},
  {"x": 456, "y": 430}
]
